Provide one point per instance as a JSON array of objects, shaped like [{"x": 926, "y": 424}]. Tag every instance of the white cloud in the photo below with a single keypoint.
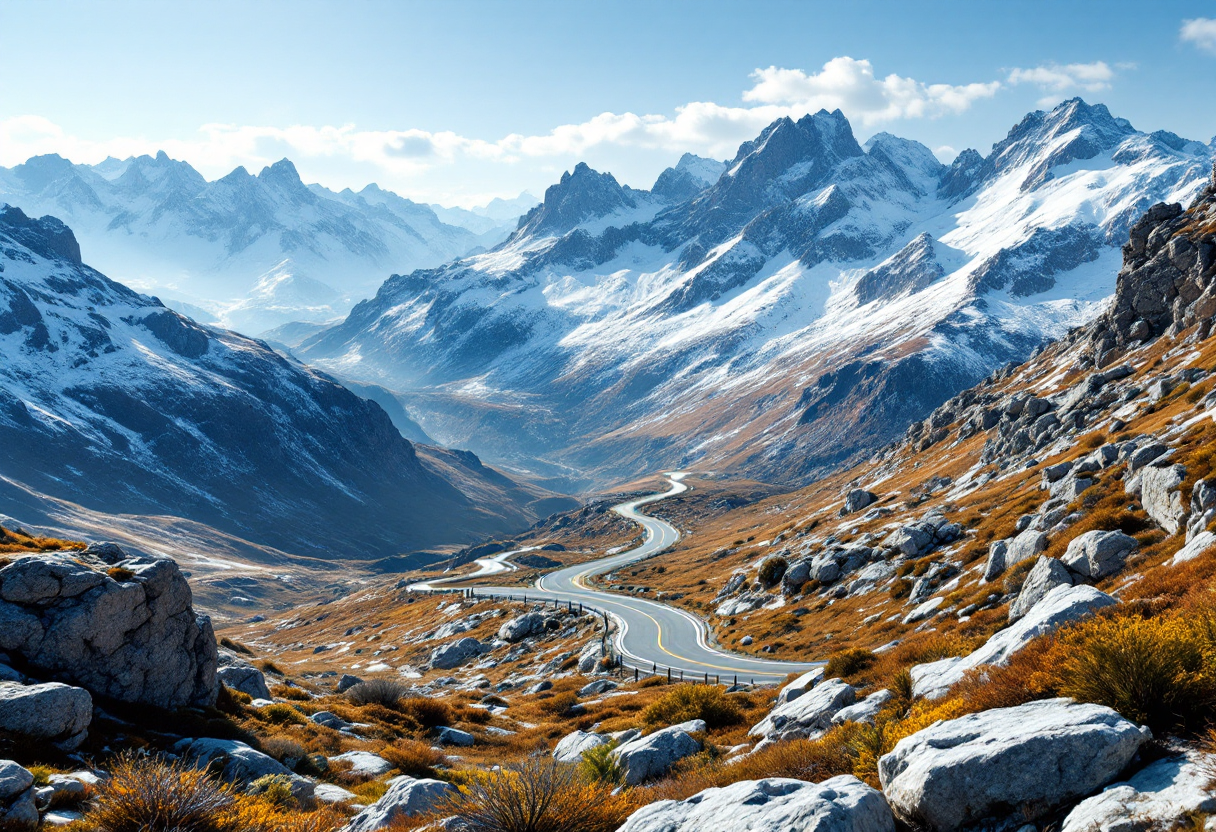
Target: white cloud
[
  {"x": 851, "y": 86},
  {"x": 420, "y": 162},
  {"x": 1060, "y": 78},
  {"x": 1201, "y": 31}
]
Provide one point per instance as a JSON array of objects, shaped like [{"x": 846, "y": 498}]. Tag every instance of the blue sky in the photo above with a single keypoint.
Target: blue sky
[{"x": 457, "y": 102}]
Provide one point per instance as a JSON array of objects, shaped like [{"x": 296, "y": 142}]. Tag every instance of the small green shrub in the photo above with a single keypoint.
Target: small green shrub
[
  {"x": 599, "y": 766},
  {"x": 280, "y": 713},
  {"x": 847, "y": 662}
]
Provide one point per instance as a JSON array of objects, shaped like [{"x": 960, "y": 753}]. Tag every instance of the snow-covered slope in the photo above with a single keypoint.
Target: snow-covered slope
[
  {"x": 254, "y": 252},
  {"x": 112, "y": 402},
  {"x": 801, "y": 308}
]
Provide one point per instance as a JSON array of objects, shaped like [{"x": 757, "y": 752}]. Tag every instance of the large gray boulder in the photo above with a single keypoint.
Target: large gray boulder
[
  {"x": 1059, "y": 606},
  {"x": 129, "y": 635},
  {"x": 866, "y": 710},
  {"x": 801, "y": 685},
  {"x": 1160, "y": 796},
  {"x": 406, "y": 797},
  {"x": 1097, "y": 554},
  {"x": 1046, "y": 575},
  {"x": 839, "y": 804},
  {"x": 1158, "y": 487},
  {"x": 995, "y": 564},
  {"x": 1042, "y": 753},
  {"x": 18, "y": 810},
  {"x": 448, "y": 656},
  {"x": 571, "y": 747},
  {"x": 55, "y": 713},
  {"x": 1023, "y": 546},
  {"x": 654, "y": 754},
  {"x": 857, "y": 499},
  {"x": 808, "y": 715},
  {"x": 364, "y": 763},
  {"x": 518, "y": 629},
  {"x": 239, "y": 674},
  {"x": 239, "y": 764}
]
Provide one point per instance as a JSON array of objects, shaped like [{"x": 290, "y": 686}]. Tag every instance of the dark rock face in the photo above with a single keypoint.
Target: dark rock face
[
  {"x": 912, "y": 269},
  {"x": 110, "y": 400},
  {"x": 1030, "y": 268},
  {"x": 579, "y": 196}
]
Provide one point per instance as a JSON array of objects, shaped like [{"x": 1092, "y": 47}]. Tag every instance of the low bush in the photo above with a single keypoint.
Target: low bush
[
  {"x": 848, "y": 662},
  {"x": 559, "y": 704},
  {"x": 599, "y": 766},
  {"x": 773, "y": 569},
  {"x": 151, "y": 795},
  {"x": 285, "y": 691},
  {"x": 383, "y": 692},
  {"x": 687, "y": 702},
  {"x": 413, "y": 758},
  {"x": 280, "y": 713},
  {"x": 286, "y": 751},
  {"x": 120, "y": 574},
  {"x": 429, "y": 713},
  {"x": 537, "y": 796}
]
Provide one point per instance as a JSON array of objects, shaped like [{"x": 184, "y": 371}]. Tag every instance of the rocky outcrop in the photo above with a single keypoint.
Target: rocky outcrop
[
  {"x": 1060, "y": 606},
  {"x": 1158, "y": 487},
  {"x": 857, "y": 499},
  {"x": 1096, "y": 554},
  {"x": 517, "y": 629},
  {"x": 124, "y": 628},
  {"x": 1046, "y": 575},
  {"x": 55, "y": 713},
  {"x": 654, "y": 754},
  {"x": 800, "y": 685},
  {"x": 364, "y": 763},
  {"x": 448, "y": 656},
  {"x": 18, "y": 810},
  {"x": 405, "y": 798},
  {"x": 839, "y": 804},
  {"x": 1160, "y": 796},
  {"x": 1043, "y": 753},
  {"x": 808, "y": 715},
  {"x": 239, "y": 674},
  {"x": 239, "y": 764}
]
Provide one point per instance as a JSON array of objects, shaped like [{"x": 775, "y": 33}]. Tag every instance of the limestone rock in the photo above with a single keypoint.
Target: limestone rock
[
  {"x": 57, "y": 713},
  {"x": 518, "y": 629},
  {"x": 347, "y": 681},
  {"x": 406, "y": 797},
  {"x": 454, "y": 736},
  {"x": 652, "y": 755},
  {"x": 996, "y": 559},
  {"x": 1097, "y": 554},
  {"x": 239, "y": 674},
  {"x": 1158, "y": 489},
  {"x": 1025, "y": 545},
  {"x": 800, "y": 685},
  {"x": 1059, "y": 606},
  {"x": 865, "y": 710},
  {"x": 839, "y": 804},
  {"x": 240, "y": 764},
  {"x": 961, "y": 770},
  {"x": 18, "y": 810},
  {"x": 571, "y": 747},
  {"x": 135, "y": 639},
  {"x": 1047, "y": 574},
  {"x": 809, "y": 714},
  {"x": 448, "y": 656},
  {"x": 364, "y": 763},
  {"x": 857, "y": 499},
  {"x": 1159, "y": 796}
]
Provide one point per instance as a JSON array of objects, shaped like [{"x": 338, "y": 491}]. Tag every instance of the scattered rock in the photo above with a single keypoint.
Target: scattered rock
[
  {"x": 571, "y": 747},
  {"x": 242, "y": 676},
  {"x": 857, "y": 499},
  {"x": 1047, "y": 574},
  {"x": 454, "y": 736},
  {"x": 1042, "y": 753},
  {"x": 329, "y": 793},
  {"x": 1097, "y": 554},
  {"x": 808, "y": 715},
  {"x": 55, "y": 713},
  {"x": 364, "y": 763},
  {"x": 1159, "y": 796},
  {"x": 406, "y": 797},
  {"x": 448, "y": 656},
  {"x": 597, "y": 687},
  {"x": 240, "y": 764},
  {"x": 800, "y": 685},
  {"x": 865, "y": 710},
  {"x": 1059, "y": 606},
  {"x": 839, "y": 804},
  {"x": 518, "y": 629},
  {"x": 18, "y": 809},
  {"x": 652, "y": 755},
  {"x": 1159, "y": 493},
  {"x": 347, "y": 681}
]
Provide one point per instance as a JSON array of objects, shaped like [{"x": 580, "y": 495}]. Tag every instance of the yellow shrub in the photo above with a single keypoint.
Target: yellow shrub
[{"x": 687, "y": 702}]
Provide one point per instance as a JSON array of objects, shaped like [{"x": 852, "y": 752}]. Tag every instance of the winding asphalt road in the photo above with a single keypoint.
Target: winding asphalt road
[{"x": 649, "y": 634}]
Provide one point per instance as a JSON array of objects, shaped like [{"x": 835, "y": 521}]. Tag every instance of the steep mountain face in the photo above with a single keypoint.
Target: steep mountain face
[
  {"x": 113, "y": 402},
  {"x": 254, "y": 252},
  {"x": 798, "y": 311}
]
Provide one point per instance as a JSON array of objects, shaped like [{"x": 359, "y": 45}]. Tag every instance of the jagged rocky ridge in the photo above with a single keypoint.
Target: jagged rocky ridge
[
  {"x": 817, "y": 295},
  {"x": 111, "y": 401}
]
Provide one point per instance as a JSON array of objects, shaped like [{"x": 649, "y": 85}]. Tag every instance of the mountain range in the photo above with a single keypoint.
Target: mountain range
[
  {"x": 249, "y": 252},
  {"x": 780, "y": 315},
  {"x": 111, "y": 402}
]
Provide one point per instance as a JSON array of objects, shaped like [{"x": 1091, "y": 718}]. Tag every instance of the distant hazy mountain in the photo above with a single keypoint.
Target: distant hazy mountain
[
  {"x": 783, "y": 316},
  {"x": 112, "y": 402},
  {"x": 494, "y": 221},
  {"x": 250, "y": 252}
]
